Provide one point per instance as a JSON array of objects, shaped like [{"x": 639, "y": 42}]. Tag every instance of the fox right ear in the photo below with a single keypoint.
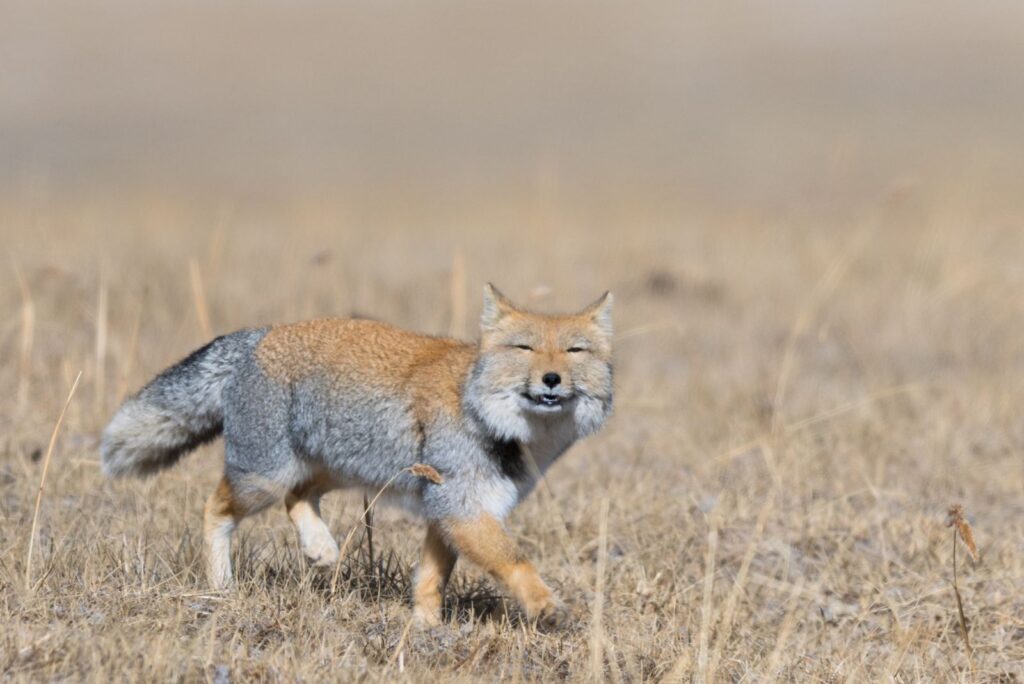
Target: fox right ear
[
  {"x": 496, "y": 307},
  {"x": 600, "y": 312}
]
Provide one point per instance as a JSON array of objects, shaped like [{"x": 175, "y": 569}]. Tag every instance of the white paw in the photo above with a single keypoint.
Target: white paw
[
  {"x": 424, "y": 617},
  {"x": 320, "y": 548},
  {"x": 218, "y": 575}
]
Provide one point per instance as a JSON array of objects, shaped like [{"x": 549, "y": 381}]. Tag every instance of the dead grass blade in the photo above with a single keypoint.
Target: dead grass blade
[
  {"x": 28, "y": 326},
  {"x": 42, "y": 483},
  {"x": 199, "y": 298},
  {"x": 399, "y": 655},
  {"x": 596, "y": 620},
  {"x": 368, "y": 525},
  {"x": 648, "y": 328},
  {"x": 955, "y": 519},
  {"x": 101, "y": 344},
  {"x": 128, "y": 357},
  {"x": 427, "y": 472},
  {"x": 457, "y": 294},
  {"x": 705, "y": 613}
]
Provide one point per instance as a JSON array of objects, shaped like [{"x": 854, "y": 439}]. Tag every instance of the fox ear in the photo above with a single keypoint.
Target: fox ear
[
  {"x": 600, "y": 313},
  {"x": 496, "y": 307}
]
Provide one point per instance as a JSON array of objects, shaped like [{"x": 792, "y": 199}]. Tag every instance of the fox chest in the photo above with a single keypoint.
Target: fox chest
[{"x": 525, "y": 461}]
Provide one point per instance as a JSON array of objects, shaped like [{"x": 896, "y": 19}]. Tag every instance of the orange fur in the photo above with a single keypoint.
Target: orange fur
[
  {"x": 221, "y": 514},
  {"x": 221, "y": 503},
  {"x": 435, "y": 568},
  {"x": 350, "y": 352},
  {"x": 485, "y": 542}
]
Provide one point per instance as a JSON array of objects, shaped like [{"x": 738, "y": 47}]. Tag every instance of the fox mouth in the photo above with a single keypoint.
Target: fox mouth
[{"x": 545, "y": 402}]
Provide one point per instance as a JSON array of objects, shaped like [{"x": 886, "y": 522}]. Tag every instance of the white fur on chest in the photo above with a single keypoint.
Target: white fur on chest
[{"x": 549, "y": 440}]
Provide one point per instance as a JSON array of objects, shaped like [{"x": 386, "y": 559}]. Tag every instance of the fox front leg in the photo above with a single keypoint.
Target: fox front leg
[{"x": 483, "y": 540}]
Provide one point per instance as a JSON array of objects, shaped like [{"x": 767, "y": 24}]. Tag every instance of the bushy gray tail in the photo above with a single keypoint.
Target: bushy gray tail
[{"x": 179, "y": 410}]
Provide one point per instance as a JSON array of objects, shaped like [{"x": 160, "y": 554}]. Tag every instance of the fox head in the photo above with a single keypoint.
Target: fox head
[{"x": 535, "y": 370}]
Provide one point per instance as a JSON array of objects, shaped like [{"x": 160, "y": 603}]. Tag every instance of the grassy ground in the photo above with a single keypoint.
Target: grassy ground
[{"x": 800, "y": 397}]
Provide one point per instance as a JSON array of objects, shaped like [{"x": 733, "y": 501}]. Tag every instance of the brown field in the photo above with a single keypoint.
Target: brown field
[{"x": 818, "y": 268}]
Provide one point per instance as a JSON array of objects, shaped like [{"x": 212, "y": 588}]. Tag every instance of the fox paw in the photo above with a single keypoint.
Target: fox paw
[
  {"x": 425, "y": 618},
  {"x": 553, "y": 616},
  {"x": 322, "y": 551}
]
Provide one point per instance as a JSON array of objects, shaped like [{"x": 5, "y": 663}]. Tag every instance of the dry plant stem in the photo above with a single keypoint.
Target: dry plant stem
[
  {"x": 457, "y": 325},
  {"x": 401, "y": 644},
  {"x": 417, "y": 469},
  {"x": 368, "y": 524},
  {"x": 893, "y": 667},
  {"x": 596, "y": 621},
  {"x": 955, "y": 518},
  {"x": 28, "y": 324},
  {"x": 42, "y": 483},
  {"x": 705, "y": 614},
  {"x": 645, "y": 329},
  {"x": 960, "y": 607},
  {"x": 199, "y": 299},
  {"x": 218, "y": 239},
  {"x": 101, "y": 343},
  {"x": 212, "y": 641},
  {"x": 129, "y": 356}
]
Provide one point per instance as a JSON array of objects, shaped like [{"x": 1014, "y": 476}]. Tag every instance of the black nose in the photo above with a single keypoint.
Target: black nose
[{"x": 552, "y": 379}]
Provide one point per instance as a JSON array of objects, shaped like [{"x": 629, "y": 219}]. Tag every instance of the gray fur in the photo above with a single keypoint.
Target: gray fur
[
  {"x": 177, "y": 411},
  {"x": 278, "y": 436}
]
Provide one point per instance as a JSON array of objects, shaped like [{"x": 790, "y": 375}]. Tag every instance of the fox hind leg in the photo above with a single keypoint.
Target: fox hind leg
[
  {"x": 219, "y": 521},
  {"x": 225, "y": 508},
  {"x": 315, "y": 538},
  {"x": 432, "y": 574}
]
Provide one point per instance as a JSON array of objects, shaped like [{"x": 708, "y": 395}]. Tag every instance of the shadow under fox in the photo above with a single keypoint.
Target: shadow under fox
[{"x": 314, "y": 406}]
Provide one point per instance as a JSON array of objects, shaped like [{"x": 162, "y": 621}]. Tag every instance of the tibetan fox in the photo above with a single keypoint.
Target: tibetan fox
[{"x": 326, "y": 404}]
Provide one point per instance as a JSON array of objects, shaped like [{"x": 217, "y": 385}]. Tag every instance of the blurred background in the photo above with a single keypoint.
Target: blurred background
[{"x": 443, "y": 105}]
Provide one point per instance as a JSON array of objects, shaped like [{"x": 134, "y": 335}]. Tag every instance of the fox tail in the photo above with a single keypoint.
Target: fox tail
[{"x": 179, "y": 410}]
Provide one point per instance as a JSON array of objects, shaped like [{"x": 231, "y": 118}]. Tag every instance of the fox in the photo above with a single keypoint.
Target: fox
[{"x": 326, "y": 404}]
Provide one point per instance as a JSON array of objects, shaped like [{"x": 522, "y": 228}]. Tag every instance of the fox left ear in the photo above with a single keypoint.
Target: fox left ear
[
  {"x": 600, "y": 312},
  {"x": 496, "y": 307}
]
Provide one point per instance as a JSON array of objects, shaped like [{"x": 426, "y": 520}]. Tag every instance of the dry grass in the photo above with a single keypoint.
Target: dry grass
[{"x": 796, "y": 407}]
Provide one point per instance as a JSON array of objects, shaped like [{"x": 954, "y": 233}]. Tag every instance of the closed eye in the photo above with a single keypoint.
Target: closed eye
[
  {"x": 524, "y": 347},
  {"x": 576, "y": 350}
]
